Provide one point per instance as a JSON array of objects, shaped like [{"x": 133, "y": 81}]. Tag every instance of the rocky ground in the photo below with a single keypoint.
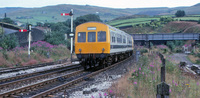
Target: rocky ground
[
  {"x": 32, "y": 70},
  {"x": 97, "y": 86}
]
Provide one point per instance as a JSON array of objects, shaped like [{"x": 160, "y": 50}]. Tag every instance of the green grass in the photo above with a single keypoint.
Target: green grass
[
  {"x": 130, "y": 22},
  {"x": 188, "y": 18},
  {"x": 1, "y": 31}
]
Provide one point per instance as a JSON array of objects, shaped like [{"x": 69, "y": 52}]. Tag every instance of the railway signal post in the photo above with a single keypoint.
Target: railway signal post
[
  {"x": 162, "y": 88},
  {"x": 29, "y": 37},
  {"x": 71, "y": 34}
]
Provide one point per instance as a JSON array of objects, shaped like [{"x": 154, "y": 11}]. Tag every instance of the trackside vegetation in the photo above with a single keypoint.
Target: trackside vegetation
[
  {"x": 52, "y": 48},
  {"x": 143, "y": 78}
]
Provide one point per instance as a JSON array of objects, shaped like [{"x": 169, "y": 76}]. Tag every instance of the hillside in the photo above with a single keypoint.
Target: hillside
[{"x": 52, "y": 13}]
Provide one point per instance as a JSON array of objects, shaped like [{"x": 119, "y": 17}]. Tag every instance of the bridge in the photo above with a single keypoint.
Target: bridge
[
  {"x": 145, "y": 39},
  {"x": 166, "y": 37}
]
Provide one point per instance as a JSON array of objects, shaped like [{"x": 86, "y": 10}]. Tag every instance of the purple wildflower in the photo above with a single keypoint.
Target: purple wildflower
[
  {"x": 139, "y": 68},
  {"x": 170, "y": 90},
  {"x": 143, "y": 73},
  {"x": 152, "y": 65},
  {"x": 135, "y": 83},
  {"x": 111, "y": 91},
  {"x": 99, "y": 94},
  {"x": 105, "y": 94}
]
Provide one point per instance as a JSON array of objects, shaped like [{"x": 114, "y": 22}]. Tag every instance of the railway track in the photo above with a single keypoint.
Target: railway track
[
  {"x": 18, "y": 91},
  {"x": 50, "y": 86},
  {"x": 14, "y": 78},
  {"x": 8, "y": 70},
  {"x": 34, "y": 77}
]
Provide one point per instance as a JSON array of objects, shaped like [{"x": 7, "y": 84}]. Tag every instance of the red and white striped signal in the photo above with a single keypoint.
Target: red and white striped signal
[
  {"x": 64, "y": 14},
  {"x": 23, "y": 30}
]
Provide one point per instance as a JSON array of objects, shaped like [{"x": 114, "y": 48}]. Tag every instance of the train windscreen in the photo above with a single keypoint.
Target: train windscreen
[
  {"x": 81, "y": 36},
  {"x": 91, "y": 36},
  {"x": 101, "y": 36}
]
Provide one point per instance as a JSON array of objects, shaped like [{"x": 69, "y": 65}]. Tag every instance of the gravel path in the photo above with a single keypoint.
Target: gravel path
[
  {"x": 179, "y": 57},
  {"x": 98, "y": 85}
]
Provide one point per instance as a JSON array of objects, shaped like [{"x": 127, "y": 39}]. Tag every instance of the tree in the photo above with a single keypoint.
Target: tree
[
  {"x": 56, "y": 38},
  {"x": 180, "y": 13},
  {"x": 87, "y": 18},
  {"x": 171, "y": 45},
  {"x": 7, "y": 20}
]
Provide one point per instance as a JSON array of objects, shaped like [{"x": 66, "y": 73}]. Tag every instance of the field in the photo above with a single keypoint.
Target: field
[
  {"x": 188, "y": 18},
  {"x": 131, "y": 22},
  {"x": 135, "y": 21}
]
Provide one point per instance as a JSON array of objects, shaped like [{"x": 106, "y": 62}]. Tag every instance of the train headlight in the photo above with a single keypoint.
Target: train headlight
[
  {"x": 79, "y": 50},
  {"x": 103, "y": 49}
]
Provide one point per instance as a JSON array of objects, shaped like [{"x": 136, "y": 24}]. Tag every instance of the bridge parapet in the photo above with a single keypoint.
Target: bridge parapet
[{"x": 171, "y": 36}]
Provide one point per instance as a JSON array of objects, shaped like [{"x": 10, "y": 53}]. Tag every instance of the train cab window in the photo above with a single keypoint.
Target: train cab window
[
  {"x": 91, "y": 36},
  {"x": 81, "y": 36},
  {"x": 101, "y": 36}
]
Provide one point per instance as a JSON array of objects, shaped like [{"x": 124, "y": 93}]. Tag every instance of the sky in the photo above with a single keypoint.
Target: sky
[{"x": 101, "y": 3}]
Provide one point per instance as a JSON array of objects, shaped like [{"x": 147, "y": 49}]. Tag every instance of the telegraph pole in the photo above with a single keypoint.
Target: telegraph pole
[{"x": 71, "y": 34}]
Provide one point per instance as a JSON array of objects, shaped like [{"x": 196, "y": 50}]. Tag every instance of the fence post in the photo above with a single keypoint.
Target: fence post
[{"x": 162, "y": 88}]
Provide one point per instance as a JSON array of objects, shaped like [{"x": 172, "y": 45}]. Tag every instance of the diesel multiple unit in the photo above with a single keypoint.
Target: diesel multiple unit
[{"x": 100, "y": 44}]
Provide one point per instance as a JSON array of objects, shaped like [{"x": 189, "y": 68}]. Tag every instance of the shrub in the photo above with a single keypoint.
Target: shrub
[
  {"x": 143, "y": 51},
  {"x": 9, "y": 42},
  {"x": 56, "y": 38},
  {"x": 171, "y": 45},
  {"x": 178, "y": 50}
]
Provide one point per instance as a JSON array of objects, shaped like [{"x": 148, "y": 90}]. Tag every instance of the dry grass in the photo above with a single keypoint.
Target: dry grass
[
  {"x": 142, "y": 83},
  {"x": 193, "y": 58},
  {"x": 20, "y": 57}
]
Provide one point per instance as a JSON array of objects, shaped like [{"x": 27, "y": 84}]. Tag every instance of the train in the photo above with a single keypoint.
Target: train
[{"x": 99, "y": 44}]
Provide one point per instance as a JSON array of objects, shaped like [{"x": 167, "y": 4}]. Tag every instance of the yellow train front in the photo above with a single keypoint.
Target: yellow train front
[{"x": 100, "y": 44}]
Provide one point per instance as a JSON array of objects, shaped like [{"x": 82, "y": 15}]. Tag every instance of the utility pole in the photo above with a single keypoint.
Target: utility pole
[{"x": 71, "y": 34}]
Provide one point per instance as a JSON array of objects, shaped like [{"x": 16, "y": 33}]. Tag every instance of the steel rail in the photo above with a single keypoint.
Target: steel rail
[{"x": 66, "y": 85}]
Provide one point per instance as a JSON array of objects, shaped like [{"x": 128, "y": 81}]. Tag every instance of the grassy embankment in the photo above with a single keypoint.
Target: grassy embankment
[
  {"x": 1, "y": 30},
  {"x": 131, "y": 22},
  {"x": 39, "y": 54},
  {"x": 194, "y": 57},
  {"x": 142, "y": 79},
  {"x": 155, "y": 25}
]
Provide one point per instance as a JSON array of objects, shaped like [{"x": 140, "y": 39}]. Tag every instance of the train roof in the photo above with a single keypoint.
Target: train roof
[{"x": 115, "y": 29}]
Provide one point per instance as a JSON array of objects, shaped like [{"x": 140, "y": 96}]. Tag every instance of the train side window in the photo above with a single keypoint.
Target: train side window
[
  {"x": 113, "y": 39},
  {"x": 120, "y": 38},
  {"x": 101, "y": 36},
  {"x": 124, "y": 39},
  {"x": 81, "y": 36},
  {"x": 91, "y": 36}
]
